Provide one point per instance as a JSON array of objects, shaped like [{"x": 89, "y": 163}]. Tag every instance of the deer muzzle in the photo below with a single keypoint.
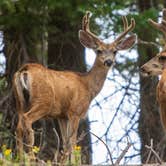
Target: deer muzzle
[
  {"x": 144, "y": 71},
  {"x": 108, "y": 63}
]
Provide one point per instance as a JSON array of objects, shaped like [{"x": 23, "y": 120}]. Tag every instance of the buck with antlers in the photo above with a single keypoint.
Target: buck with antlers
[
  {"x": 64, "y": 95},
  {"x": 157, "y": 66}
]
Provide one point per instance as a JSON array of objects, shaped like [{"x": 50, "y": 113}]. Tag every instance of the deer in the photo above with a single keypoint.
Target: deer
[
  {"x": 157, "y": 66},
  {"x": 64, "y": 95}
]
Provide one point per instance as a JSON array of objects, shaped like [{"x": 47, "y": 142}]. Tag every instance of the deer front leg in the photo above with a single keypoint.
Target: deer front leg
[
  {"x": 63, "y": 124},
  {"x": 68, "y": 128},
  {"x": 73, "y": 128}
]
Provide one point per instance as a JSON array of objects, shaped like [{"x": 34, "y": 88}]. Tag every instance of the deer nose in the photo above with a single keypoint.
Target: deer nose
[
  {"x": 144, "y": 72},
  {"x": 108, "y": 62}
]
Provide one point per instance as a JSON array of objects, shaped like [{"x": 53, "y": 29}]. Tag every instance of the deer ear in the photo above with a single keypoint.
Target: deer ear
[
  {"x": 126, "y": 43},
  {"x": 87, "y": 40}
]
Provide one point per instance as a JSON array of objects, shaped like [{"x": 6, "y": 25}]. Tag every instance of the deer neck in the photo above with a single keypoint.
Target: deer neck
[{"x": 95, "y": 77}]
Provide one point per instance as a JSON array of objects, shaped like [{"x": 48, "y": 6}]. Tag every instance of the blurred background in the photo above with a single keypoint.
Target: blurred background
[{"x": 126, "y": 111}]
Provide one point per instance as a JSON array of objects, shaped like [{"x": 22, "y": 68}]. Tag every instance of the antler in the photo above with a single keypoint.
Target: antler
[
  {"x": 160, "y": 26},
  {"x": 127, "y": 28},
  {"x": 85, "y": 25}
]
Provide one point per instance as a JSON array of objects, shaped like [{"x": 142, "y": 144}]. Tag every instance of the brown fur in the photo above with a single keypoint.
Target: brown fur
[{"x": 161, "y": 98}]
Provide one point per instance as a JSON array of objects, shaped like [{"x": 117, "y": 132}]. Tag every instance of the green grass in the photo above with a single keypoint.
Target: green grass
[{"x": 7, "y": 158}]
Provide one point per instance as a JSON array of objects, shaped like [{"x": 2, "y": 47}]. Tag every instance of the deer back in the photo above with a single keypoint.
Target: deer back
[{"x": 56, "y": 91}]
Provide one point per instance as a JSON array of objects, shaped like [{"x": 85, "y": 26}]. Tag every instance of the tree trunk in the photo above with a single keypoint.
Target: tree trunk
[{"x": 149, "y": 120}]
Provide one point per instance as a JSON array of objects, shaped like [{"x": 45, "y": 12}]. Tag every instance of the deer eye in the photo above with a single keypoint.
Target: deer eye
[
  {"x": 162, "y": 58},
  {"x": 155, "y": 65},
  {"x": 99, "y": 51}
]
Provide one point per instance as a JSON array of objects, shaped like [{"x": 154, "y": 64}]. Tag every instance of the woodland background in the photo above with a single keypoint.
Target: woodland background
[{"x": 46, "y": 31}]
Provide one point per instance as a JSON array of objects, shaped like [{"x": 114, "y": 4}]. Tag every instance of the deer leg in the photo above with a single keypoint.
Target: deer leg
[
  {"x": 24, "y": 129},
  {"x": 73, "y": 127},
  {"x": 63, "y": 123},
  {"x": 24, "y": 135},
  {"x": 68, "y": 128},
  {"x": 19, "y": 137},
  {"x": 28, "y": 134}
]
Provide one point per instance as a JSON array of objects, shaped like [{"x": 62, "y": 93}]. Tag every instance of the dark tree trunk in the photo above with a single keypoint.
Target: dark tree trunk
[{"x": 149, "y": 120}]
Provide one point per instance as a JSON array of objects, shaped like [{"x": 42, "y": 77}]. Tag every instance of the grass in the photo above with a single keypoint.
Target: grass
[{"x": 7, "y": 158}]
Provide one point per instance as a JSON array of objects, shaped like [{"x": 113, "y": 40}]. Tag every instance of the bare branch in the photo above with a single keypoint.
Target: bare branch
[
  {"x": 150, "y": 152},
  {"x": 123, "y": 154},
  {"x": 105, "y": 146},
  {"x": 154, "y": 152}
]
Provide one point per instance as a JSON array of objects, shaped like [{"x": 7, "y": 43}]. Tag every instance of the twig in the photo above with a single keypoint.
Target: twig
[
  {"x": 155, "y": 153},
  {"x": 150, "y": 152},
  {"x": 58, "y": 145},
  {"x": 109, "y": 152},
  {"x": 123, "y": 154},
  {"x": 81, "y": 137}
]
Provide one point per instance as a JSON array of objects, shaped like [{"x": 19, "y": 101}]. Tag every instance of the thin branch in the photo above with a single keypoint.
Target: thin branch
[
  {"x": 150, "y": 152},
  {"x": 109, "y": 152},
  {"x": 154, "y": 152}
]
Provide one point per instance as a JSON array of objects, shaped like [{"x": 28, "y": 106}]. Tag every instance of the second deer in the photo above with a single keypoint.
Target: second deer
[
  {"x": 157, "y": 66},
  {"x": 64, "y": 95}
]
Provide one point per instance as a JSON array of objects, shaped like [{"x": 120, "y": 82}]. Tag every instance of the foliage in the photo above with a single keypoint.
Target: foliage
[
  {"x": 33, "y": 15},
  {"x": 7, "y": 157},
  {"x": 2, "y": 84}
]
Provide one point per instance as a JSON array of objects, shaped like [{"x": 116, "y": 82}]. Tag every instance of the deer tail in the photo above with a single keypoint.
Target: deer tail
[{"x": 21, "y": 90}]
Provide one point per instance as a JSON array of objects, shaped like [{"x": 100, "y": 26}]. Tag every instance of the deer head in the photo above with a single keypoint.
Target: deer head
[
  {"x": 106, "y": 52},
  {"x": 156, "y": 65}
]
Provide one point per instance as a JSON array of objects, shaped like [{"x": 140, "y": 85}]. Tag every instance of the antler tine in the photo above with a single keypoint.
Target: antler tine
[
  {"x": 160, "y": 26},
  {"x": 126, "y": 28},
  {"x": 85, "y": 21},
  {"x": 85, "y": 25},
  {"x": 125, "y": 22}
]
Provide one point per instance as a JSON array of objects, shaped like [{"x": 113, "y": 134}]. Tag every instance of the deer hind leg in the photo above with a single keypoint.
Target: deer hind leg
[
  {"x": 24, "y": 129},
  {"x": 24, "y": 136},
  {"x": 28, "y": 135},
  {"x": 19, "y": 137}
]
